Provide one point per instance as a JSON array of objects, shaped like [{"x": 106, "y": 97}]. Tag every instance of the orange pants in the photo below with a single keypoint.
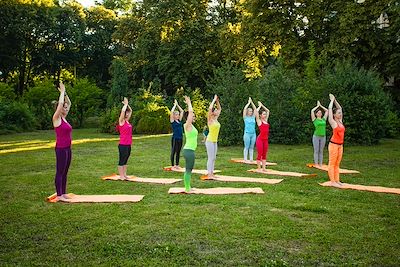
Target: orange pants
[{"x": 335, "y": 157}]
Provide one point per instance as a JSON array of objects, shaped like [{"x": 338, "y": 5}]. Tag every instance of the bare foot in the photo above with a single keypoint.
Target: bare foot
[
  {"x": 62, "y": 198},
  {"x": 66, "y": 196}
]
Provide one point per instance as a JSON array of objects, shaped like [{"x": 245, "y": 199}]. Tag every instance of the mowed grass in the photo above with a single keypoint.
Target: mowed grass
[{"x": 296, "y": 222}]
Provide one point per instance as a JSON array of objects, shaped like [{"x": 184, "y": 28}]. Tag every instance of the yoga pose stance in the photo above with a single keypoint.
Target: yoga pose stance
[
  {"x": 262, "y": 138},
  {"x": 335, "y": 147},
  {"x": 319, "y": 137},
  {"x": 249, "y": 136},
  {"x": 63, "y": 143},
  {"x": 177, "y": 136},
  {"x": 125, "y": 138},
  {"x": 191, "y": 134},
  {"x": 212, "y": 137}
]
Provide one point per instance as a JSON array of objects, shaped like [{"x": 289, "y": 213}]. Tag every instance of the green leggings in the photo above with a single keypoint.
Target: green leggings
[{"x": 188, "y": 154}]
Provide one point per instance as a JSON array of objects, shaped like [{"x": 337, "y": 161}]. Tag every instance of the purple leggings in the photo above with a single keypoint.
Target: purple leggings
[{"x": 63, "y": 160}]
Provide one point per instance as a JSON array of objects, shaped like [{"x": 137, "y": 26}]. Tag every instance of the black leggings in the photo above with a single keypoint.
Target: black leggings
[
  {"x": 176, "y": 145},
  {"x": 124, "y": 153}
]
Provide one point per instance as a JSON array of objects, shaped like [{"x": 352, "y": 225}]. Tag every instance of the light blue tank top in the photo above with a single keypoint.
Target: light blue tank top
[{"x": 249, "y": 124}]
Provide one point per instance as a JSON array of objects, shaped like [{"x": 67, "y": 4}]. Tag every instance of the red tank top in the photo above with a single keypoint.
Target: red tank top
[
  {"x": 338, "y": 134},
  {"x": 63, "y": 134},
  {"x": 125, "y": 133},
  {"x": 264, "y": 131}
]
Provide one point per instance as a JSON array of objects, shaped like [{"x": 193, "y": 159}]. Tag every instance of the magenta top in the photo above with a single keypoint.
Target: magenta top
[
  {"x": 63, "y": 134},
  {"x": 125, "y": 133}
]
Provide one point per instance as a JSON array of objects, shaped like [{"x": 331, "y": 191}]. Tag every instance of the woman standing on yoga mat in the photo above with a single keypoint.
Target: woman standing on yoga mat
[
  {"x": 125, "y": 138},
  {"x": 212, "y": 137},
  {"x": 335, "y": 147},
  {"x": 249, "y": 136},
  {"x": 177, "y": 136},
  {"x": 63, "y": 143},
  {"x": 319, "y": 137},
  {"x": 191, "y": 134},
  {"x": 262, "y": 138}
]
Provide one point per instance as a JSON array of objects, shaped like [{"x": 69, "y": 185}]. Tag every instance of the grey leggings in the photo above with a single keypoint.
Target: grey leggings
[
  {"x": 212, "y": 155},
  {"x": 319, "y": 144}
]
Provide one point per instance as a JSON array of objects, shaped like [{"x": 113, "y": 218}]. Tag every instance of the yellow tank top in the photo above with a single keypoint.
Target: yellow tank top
[{"x": 213, "y": 132}]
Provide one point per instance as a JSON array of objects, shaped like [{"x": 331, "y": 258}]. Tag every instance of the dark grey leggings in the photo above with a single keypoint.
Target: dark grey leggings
[
  {"x": 176, "y": 146},
  {"x": 319, "y": 145}
]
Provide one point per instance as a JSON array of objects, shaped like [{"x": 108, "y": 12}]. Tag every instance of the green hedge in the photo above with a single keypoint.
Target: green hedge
[
  {"x": 368, "y": 111},
  {"x": 15, "y": 117}
]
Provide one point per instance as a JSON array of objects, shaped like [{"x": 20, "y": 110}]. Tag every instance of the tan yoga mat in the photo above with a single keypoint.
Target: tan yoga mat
[
  {"x": 325, "y": 168},
  {"x": 378, "y": 189},
  {"x": 115, "y": 177},
  {"x": 216, "y": 191},
  {"x": 97, "y": 198},
  {"x": 253, "y": 162},
  {"x": 169, "y": 168},
  {"x": 282, "y": 173},
  {"x": 225, "y": 178}
]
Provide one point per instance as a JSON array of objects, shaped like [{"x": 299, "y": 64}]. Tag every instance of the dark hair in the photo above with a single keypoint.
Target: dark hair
[
  {"x": 261, "y": 111},
  {"x": 334, "y": 110},
  {"x": 316, "y": 111},
  {"x": 186, "y": 114}
]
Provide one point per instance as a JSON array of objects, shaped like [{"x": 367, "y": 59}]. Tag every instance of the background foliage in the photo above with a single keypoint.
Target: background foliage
[{"x": 286, "y": 53}]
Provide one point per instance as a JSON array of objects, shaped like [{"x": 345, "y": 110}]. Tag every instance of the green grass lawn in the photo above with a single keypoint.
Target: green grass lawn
[{"x": 296, "y": 222}]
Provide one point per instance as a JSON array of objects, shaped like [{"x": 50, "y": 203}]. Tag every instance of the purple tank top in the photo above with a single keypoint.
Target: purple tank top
[{"x": 63, "y": 134}]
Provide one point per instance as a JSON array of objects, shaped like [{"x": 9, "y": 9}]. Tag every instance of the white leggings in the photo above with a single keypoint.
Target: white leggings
[{"x": 212, "y": 155}]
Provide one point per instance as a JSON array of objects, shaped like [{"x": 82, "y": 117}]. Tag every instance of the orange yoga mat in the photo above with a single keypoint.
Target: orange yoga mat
[
  {"x": 169, "y": 168},
  {"x": 378, "y": 189},
  {"x": 282, "y": 173},
  {"x": 224, "y": 178},
  {"x": 216, "y": 191},
  {"x": 253, "y": 162},
  {"x": 325, "y": 168},
  {"x": 97, "y": 198},
  {"x": 115, "y": 177}
]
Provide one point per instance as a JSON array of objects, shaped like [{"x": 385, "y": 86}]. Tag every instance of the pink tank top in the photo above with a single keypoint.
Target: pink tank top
[
  {"x": 125, "y": 134},
  {"x": 63, "y": 134},
  {"x": 264, "y": 131}
]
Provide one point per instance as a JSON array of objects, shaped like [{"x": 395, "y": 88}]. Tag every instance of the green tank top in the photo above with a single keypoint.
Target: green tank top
[
  {"x": 191, "y": 138},
  {"x": 320, "y": 127}
]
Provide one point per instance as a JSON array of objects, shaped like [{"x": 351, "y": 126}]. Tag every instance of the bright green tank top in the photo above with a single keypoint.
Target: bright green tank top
[
  {"x": 191, "y": 138},
  {"x": 213, "y": 132},
  {"x": 320, "y": 127}
]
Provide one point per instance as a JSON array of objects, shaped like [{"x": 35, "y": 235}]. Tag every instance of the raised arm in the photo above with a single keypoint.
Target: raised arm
[
  {"x": 123, "y": 110},
  {"x": 171, "y": 116},
  {"x": 60, "y": 106},
  {"x": 219, "y": 108},
  {"x": 338, "y": 106},
  {"x": 325, "y": 110},
  {"x": 245, "y": 108},
  {"x": 189, "y": 120},
  {"x": 180, "y": 110},
  {"x": 332, "y": 122},
  {"x": 210, "y": 108},
  {"x": 253, "y": 106},
  {"x": 267, "y": 110},
  {"x": 313, "y": 112},
  {"x": 257, "y": 114}
]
